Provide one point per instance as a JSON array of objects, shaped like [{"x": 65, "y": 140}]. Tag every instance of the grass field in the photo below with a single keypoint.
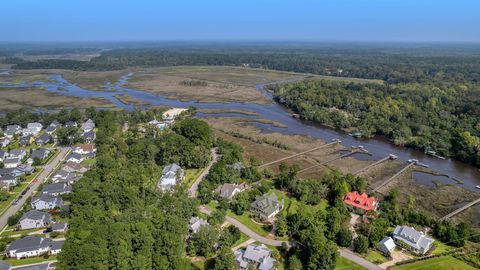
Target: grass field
[
  {"x": 247, "y": 221},
  {"x": 375, "y": 257},
  {"x": 14, "y": 99},
  {"x": 15, "y": 262},
  {"x": 440, "y": 263},
  {"x": 344, "y": 264}
]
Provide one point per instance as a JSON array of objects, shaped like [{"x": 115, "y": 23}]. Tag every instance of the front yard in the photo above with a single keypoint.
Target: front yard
[{"x": 440, "y": 263}]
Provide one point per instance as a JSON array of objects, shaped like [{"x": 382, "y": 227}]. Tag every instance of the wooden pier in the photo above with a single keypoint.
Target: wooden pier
[
  {"x": 389, "y": 157},
  {"x": 461, "y": 209},
  {"x": 410, "y": 164}
]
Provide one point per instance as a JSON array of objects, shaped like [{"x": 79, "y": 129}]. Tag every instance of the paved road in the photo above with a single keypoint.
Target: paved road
[
  {"x": 347, "y": 254},
  {"x": 27, "y": 266},
  {"x": 244, "y": 229},
  {"x": 192, "y": 192},
  {"x": 47, "y": 169}
]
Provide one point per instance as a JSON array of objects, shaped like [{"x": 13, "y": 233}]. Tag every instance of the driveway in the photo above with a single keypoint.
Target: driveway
[
  {"x": 47, "y": 170},
  {"x": 192, "y": 192},
  {"x": 349, "y": 255}
]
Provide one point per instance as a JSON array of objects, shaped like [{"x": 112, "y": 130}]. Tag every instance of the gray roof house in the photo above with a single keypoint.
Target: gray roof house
[
  {"x": 74, "y": 157},
  {"x": 41, "y": 153},
  {"x": 3, "y": 155},
  {"x": 196, "y": 223},
  {"x": 26, "y": 140},
  {"x": 56, "y": 247},
  {"x": 34, "y": 219},
  {"x": 386, "y": 246},
  {"x": 21, "y": 153},
  {"x": 89, "y": 136},
  {"x": 43, "y": 139},
  {"x": 9, "y": 180},
  {"x": 59, "y": 227},
  {"x": 12, "y": 162},
  {"x": 417, "y": 242},
  {"x": 23, "y": 169},
  {"x": 88, "y": 125},
  {"x": 236, "y": 166},
  {"x": 266, "y": 206},
  {"x": 71, "y": 124},
  {"x": 45, "y": 201},
  {"x": 258, "y": 256},
  {"x": 56, "y": 189},
  {"x": 35, "y": 125},
  {"x": 228, "y": 191},
  {"x": 29, "y": 246},
  {"x": 4, "y": 142},
  {"x": 171, "y": 174}
]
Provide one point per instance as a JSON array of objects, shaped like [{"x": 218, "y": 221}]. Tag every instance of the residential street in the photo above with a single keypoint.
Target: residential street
[
  {"x": 47, "y": 169},
  {"x": 192, "y": 192}
]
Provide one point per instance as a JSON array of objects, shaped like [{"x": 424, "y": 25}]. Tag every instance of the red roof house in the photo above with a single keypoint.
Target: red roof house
[{"x": 361, "y": 201}]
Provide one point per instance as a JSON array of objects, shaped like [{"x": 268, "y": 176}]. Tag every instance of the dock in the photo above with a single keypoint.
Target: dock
[
  {"x": 461, "y": 209},
  {"x": 357, "y": 149},
  {"x": 410, "y": 164},
  {"x": 334, "y": 141},
  {"x": 389, "y": 157}
]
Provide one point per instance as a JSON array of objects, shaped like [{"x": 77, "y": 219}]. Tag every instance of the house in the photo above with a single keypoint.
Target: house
[
  {"x": 228, "y": 191},
  {"x": 45, "y": 201},
  {"x": 26, "y": 140},
  {"x": 18, "y": 153},
  {"x": 236, "y": 166},
  {"x": 158, "y": 124},
  {"x": 43, "y": 139},
  {"x": 30, "y": 131},
  {"x": 361, "y": 201},
  {"x": 411, "y": 239},
  {"x": 74, "y": 157},
  {"x": 84, "y": 149},
  {"x": 74, "y": 167},
  {"x": 56, "y": 247},
  {"x": 266, "y": 206},
  {"x": 29, "y": 246},
  {"x": 196, "y": 223},
  {"x": 7, "y": 171},
  {"x": 5, "y": 265},
  {"x": 50, "y": 129},
  {"x": 35, "y": 219},
  {"x": 386, "y": 246},
  {"x": 60, "y": 174},
  {"x": 35, "y": 125},
  {"x": 4, "y": 142},
  {"x": 23, "y": 169},
  {"x": 12, "y": 162},
  {"x": 171, "y": 174},
  {"x": 9, "y": 179},
  {"x": 56, "y": 189},
  {"x": 88, "y": 125},
  {"x": 12, "y": 130},
  {"x": 59, "y": 227},
  {"x": 257, "y": 256},
  {"x": 71, "y": 124},
  {"x": 41, "y": 154},
  {"x": 3, "y": 155},
  {"x": 89, "y": 136}
]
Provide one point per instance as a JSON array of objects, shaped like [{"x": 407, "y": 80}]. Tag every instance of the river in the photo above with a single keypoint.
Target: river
[{"x": 377, "y": 147}]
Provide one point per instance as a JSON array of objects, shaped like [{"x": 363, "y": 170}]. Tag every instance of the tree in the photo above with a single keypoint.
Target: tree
[
  {"x": 225, "y": 260},
  {"x": 360, "y": 244},
  {"x": 240, "y": 203},
  {"x": 196, "y": 130},
  {"x": 294, "y": 263},
  {"x": 344, "y": 237},
  {"x": 281, "y": 225},
  {"x": 204, "y": 240}
]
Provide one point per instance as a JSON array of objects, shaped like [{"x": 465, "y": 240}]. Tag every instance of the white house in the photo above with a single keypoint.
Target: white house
[
  {"x": 9, "y": 180},
  {"x": 29, "y": 246},
  {"x": 12, "y": 162},
  {"x": 171, "y": 174},
  {"x": 228, "y": 191},
  {"x": 56, "y": 189},
  {"x": 4, "y": 142},
  {"x": 56, "y": 247},
  {"x": 45, "y": 201},
  {"x": 88, "y": 125},
  {"x": 386, "y": 246},
  {"x": 84, "y": 149},
  {"x": 196, "y": 223},
  {"x": 74, "y": 157},
  {"x": 417, "y": 242},
  {"x": 34, "y": 219},
  {"x": 18, "y": 153},
  {"x": 35, "y": 125}
]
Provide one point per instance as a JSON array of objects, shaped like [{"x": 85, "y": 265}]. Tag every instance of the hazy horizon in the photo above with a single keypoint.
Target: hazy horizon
[{"x": 403, "y": 21}]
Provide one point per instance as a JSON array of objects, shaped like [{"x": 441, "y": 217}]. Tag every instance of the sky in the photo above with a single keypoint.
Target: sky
[{"x": 249, "y": 20}]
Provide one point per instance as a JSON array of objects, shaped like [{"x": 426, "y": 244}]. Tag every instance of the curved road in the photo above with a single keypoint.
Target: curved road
[
  {"x": 47, "y": 170},
  {"x": 192, "y": 192}
]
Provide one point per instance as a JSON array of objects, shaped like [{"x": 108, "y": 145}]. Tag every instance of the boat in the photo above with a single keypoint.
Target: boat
[
  {"x": 477, "y": 186},
  {"x": 433, "y": 154}
]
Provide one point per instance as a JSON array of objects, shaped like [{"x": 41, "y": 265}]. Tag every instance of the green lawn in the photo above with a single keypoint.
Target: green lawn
[
  {"x": 440, "y": 263},
  {"x": 247, "y": 221},
  {"x": 21, "y": 232},
  {"x": 243, "y": 238},
  {"x": 15, "y": 262},
  {"x": 440, "y": 248},
  {"x": 191, "y": 175},
  {"x": 89, "y": 162},
  {"x": 344, "y": 264},
  {"x": 375, "y": 257}
]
